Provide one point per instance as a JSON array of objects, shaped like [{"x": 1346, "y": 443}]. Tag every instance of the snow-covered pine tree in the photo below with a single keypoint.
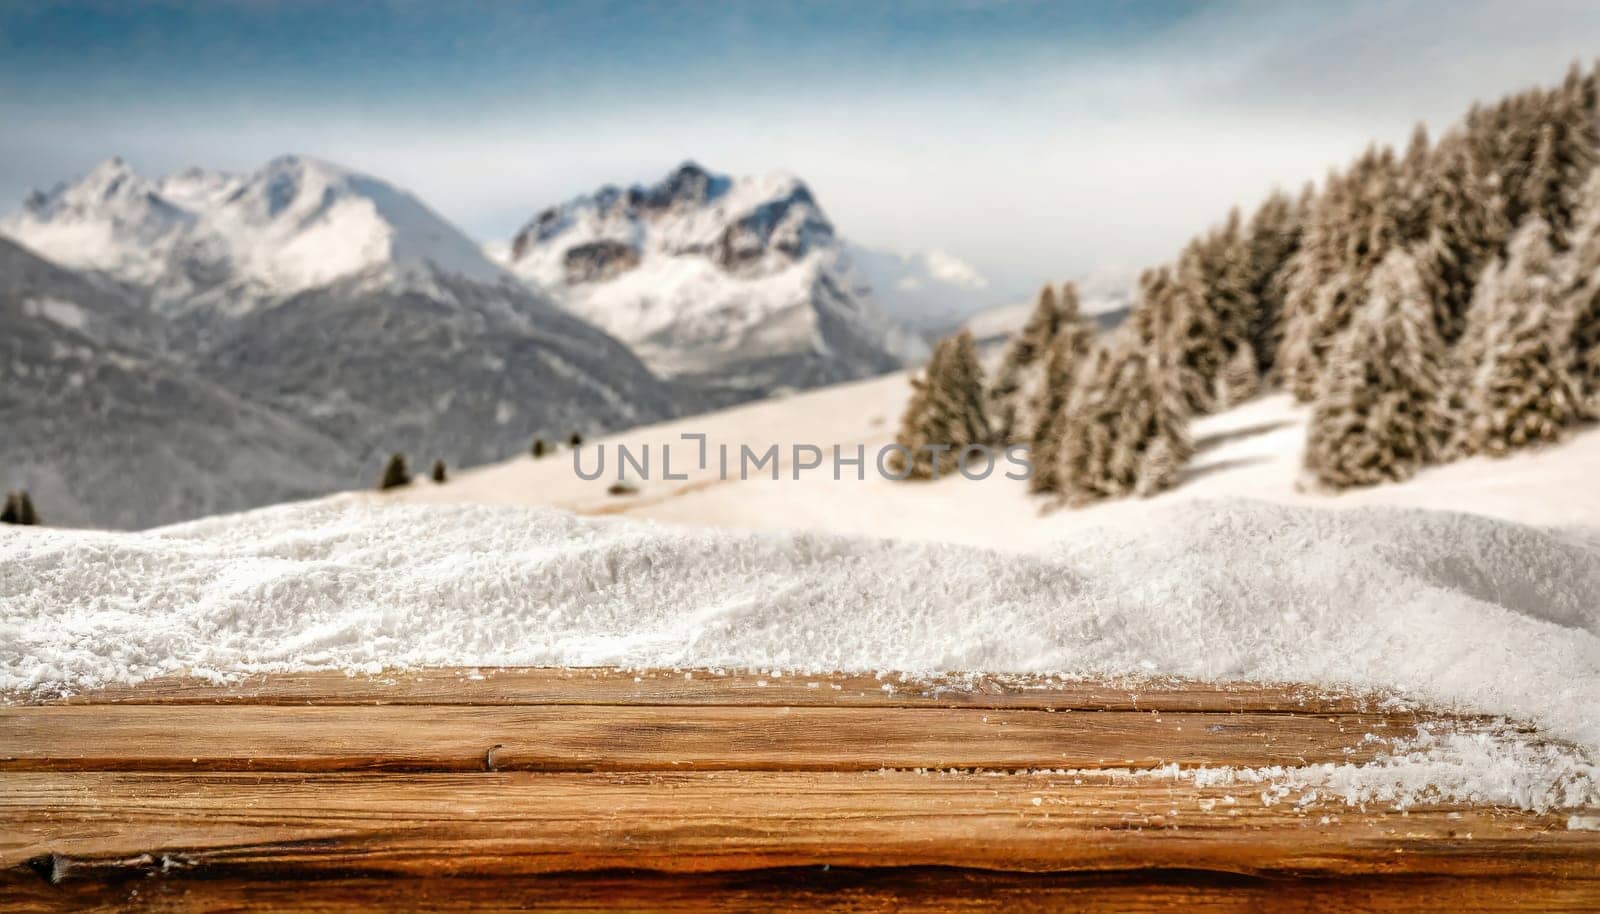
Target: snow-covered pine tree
[
  {"x": 1271, "y": 240},
  {"x": 1211, "y": 311},
  {"x": 1157, "y": 426},
  {"x": 1316, "y": 269},
  {"x": 1022, "y": 365},
  {"x": 1240, "y": 378},
  {"x": 1585, "y": 312},
  {"x": 1464, "y": 231},
  {"x": 1414, "y": 204},
  {"x": 1382, "y": 410},
  {"x": 1087, "y": 447},
  {"x": 1071, "y": 361},
  {"x": 1581, "y": 295},
  {"x": 947, "y": 411},
  {"x": 1360, "y": 217},
  {"x": 1126, "y": 428},
  {"x": 1567, "y": 150},
  {"x": 1519, "y": 350}
]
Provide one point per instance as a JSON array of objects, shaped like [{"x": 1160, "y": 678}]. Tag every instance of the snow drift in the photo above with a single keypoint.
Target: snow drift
[{"x": 1458, "y": 611}]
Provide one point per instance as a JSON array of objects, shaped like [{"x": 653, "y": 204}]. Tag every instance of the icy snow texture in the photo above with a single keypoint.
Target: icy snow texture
[{"x": 1461, "y": 612}]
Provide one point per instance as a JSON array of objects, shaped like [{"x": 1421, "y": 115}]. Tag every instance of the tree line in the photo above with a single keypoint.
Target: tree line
[{"x": 1428, "y": 305}]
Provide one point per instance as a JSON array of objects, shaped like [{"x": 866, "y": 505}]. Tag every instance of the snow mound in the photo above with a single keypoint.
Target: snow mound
[{"x": 1458, "y": 611}]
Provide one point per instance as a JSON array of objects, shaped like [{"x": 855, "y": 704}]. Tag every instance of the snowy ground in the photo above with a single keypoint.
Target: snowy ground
[{"x": 1252, "y": 451}]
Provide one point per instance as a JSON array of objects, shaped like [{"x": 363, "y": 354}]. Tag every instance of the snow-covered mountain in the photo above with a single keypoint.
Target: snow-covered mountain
[
  {"x": 737, "y": 282},
  {"x": 334, "y": 308},
  {"x": 231, "y": 242},
  {"x": 105, "y": 427}
]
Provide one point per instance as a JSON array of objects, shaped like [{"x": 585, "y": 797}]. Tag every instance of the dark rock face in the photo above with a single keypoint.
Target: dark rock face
[
  {"x": 769, "y": 228},
  {"x": 598, "y": 260}
]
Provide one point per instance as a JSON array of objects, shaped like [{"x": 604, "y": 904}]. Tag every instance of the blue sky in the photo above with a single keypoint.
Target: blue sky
[{"x": 1038, "y": 140}]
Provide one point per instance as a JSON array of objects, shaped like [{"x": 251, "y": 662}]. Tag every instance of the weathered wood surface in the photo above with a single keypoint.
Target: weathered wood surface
[
  {"x": 657, "y": 790},
  {"x": 621, "y": 738},
  {"x": 600, "y": 686}
]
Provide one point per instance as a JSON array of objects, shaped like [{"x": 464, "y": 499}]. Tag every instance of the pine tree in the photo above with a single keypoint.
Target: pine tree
[
  {"x": 1070, "y": 358},
  {"x": 1359, "y": 218},
  {"x": 1465, "y": 230},
  {"x": 1382, "y": 410},
  {"x": 539, "y": 448},
  {"x": 439, "y": 474},
  {"x": 1127, "y": 434},
  {"x": 1586, "y": 351},
  {"x": 1518, "y": 344},
  {"x": 1239, "y": 379},
  {"x": 947, "y": 411},
  {"x": 26, "y": 515},
  {"x": 1271, "y": 241},
  {"x": 395, "y": 473},
  {"x": 11, "y": 513},
  {"x": 1022, "y": 365},
  {"x": 575, "y": 440},
  {"x": 1580, "y": 296}
]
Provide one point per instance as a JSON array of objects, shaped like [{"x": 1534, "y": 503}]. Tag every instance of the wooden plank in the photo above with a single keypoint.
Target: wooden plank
[
  {"x": 621, "y": 738},
  {"x": 547, "y": 686},
  {"x": 97, "y": 827},
  {"x": 808, "y": 889}
]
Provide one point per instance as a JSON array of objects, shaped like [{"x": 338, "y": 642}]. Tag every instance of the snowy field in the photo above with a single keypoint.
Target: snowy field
[{"x": 1252, "y": 452}]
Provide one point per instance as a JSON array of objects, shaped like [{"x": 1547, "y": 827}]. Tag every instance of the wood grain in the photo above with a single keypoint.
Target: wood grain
[
  {"x": 845, "y": 889},
  {"x": 705, "y": 791},
  {"x": 594, "y": 686},
  {"x": 104, "y": 825},
  {"x": 621, "y": 738}
]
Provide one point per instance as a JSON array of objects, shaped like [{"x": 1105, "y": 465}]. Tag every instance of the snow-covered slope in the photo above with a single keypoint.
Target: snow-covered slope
[
  {"x": 233, "y": 241},
  {"x": 740, "y": 282},
  {"x": 1250, "y": 451}
]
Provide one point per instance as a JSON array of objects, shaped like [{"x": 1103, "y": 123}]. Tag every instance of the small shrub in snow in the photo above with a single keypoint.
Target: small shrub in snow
[
  {"x": 19, "y": 510},
  {"x": 539, "y": 448},
  {"x": 395, "y": 473},
  {"x": 575, "y": 440},
  {"x": 439, "y": 474}
]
